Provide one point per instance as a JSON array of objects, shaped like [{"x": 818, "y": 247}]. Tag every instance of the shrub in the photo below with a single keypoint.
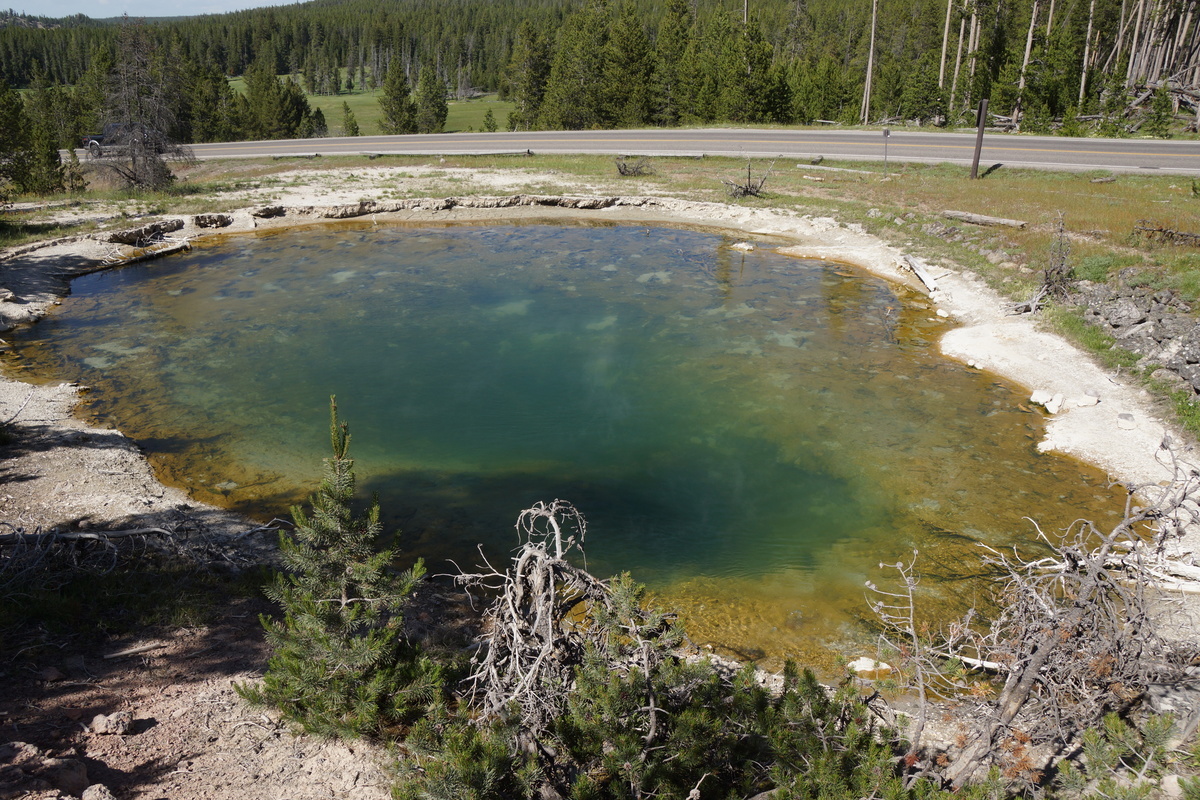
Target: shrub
[{"x": 341, "y": 664}]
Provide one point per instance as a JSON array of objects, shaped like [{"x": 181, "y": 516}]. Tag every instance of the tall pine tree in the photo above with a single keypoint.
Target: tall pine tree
[
  {"x": 399, "y": 111},
  {"x": 430, "y": 101}
]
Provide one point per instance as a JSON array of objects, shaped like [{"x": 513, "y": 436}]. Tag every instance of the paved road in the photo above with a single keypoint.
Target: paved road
[{"x": 1045, "y": 152}]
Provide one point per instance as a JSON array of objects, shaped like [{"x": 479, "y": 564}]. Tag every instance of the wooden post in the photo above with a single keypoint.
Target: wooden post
[{"x": 983, "y": 104}]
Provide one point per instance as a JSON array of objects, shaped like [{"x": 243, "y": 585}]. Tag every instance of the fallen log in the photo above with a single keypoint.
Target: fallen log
[
  {"x": 146, "y": 233},
  {"x": 75, "y": 536},
  {"x": 981, "y": 219},
  {"x": 146, "y": 254},
  {"x": 918, "y": 268}
]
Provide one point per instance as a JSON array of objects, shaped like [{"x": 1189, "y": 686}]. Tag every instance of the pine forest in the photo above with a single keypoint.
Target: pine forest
[{"x": 1112, "y": 67}]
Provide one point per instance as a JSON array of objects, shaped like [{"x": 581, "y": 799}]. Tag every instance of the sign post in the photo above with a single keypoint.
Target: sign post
[{"x": 979, "y": 138}]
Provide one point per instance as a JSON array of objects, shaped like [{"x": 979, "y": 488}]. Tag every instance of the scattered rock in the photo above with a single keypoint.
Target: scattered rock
[
  {"x": 65, "y": 774},
  {"x": 266, "y": 212},
  {"x": 745, "y": 247},
  {"x": 1090, "y": 398},
  {"x": 51, "y": 674},
  {"x": 97, "y": 791},
  {"x": 212, "y": 220},
  {"x": 1126, "y": 422},
  {"x": 118, "y": 723}
]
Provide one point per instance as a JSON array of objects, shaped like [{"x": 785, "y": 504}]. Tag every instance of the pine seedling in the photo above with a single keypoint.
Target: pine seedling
[{"x": 341, "y": 664}]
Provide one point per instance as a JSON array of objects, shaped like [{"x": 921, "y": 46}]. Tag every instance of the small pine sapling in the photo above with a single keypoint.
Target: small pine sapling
[{"x": 341, "y": 664}]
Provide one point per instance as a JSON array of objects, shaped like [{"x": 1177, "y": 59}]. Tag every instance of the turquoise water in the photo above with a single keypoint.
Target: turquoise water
[{"x": 749, "y": 433}]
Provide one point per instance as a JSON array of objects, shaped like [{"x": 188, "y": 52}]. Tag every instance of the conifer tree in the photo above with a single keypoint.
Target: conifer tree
[
  {"x": 674, "y": 35},
  {"x": 1158, "y": 121},
  {"x": 575, "y": 95},
  {"x": 15, "y": 150},
  {"x": 630, "y": 67},
  {"x": 320, "y": 128},
  {"x": 349, "y": 123},
  {"x": 430, "y": 101},
  {"x": 341, "y": 664},
  {"x": 526, "y": 75},
  {"x": 399, "y": 111}
]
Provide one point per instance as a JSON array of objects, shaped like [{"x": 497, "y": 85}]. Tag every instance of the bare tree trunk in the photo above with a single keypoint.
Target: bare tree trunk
[
  {"x": 972, "y": 49},
  {"x": 866, "y": 102},
  {"x": 945, "y": 44},
  {"x": 1016, "y": 114},
  {"x": 1134, "y": 52},
  {"x": 962, "y": 28},
  {"x": 1049, "y": 20},
  {"x": 1087, "y": 44}
]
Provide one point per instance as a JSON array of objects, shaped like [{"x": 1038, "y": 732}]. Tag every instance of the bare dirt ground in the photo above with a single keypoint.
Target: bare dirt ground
[{"x": 189, "y": 736}]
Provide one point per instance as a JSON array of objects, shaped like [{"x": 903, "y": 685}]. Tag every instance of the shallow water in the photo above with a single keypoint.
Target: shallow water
[{"x": 749, "y": 433}]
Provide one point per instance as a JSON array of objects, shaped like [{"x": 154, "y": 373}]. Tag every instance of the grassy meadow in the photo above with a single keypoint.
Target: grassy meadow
[{"x": 465, "y": 115}]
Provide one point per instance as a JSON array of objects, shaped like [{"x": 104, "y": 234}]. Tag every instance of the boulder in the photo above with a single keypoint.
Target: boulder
[
  {"x": 1172, "y": 380},
  {"x": 68, "y": 775},
  {"x": 266, "y": 212},
  {"x": 117, "y": 723},
  {"x": 139, "y": 237},
  {"x": 1123, "y": 313},
  {"x": 212, "y": 220}
]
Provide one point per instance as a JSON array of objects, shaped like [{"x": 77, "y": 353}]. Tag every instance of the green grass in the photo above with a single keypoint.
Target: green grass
[
  {"x": 464, "y": 114},
  {"x": 1070, "y": 323}
]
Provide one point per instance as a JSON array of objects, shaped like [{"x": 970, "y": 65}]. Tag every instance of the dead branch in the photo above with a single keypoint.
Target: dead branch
[
  {"x": 17, "y": 413},
  {"x": 1157, "y": 232},
  {"x": 752, "y": 187},
  {"x": 1075, "y": 632},
  {"x": 636, "y": 169},
  {"x": 1057, "y": 277}
]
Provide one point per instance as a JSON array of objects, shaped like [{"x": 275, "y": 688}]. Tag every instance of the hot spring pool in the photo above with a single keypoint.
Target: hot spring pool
[{"x": 748, "y": 433}]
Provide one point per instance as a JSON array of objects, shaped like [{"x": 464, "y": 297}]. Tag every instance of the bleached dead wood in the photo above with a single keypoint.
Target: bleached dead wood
[
  {"x": 146, "y": 254},
  {"x": 136, "y": 650},
  {"x": 982, "y": 219},
  {"x": 918, "y": 268}
]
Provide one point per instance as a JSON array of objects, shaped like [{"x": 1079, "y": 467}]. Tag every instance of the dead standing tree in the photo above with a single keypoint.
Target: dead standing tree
[
  {"x": 139, "y": 115},
  {"x": 1075, "y": 635}
]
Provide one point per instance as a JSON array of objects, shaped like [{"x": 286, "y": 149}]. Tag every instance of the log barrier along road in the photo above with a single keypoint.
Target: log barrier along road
[{"x": 999, "y": 150}]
